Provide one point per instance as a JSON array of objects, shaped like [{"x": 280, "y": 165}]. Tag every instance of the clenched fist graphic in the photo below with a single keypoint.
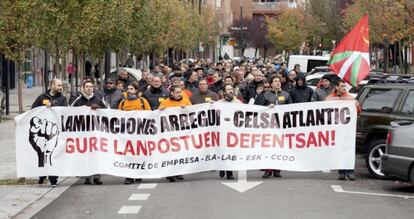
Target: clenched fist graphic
[{"x": 43, "y": 136}]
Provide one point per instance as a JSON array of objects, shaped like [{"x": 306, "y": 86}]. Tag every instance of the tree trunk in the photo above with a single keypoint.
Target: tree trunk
[
  {"x": 64, "y": 66},
  {"x": 386, "y": 57},
  {"x": 20, "y": 84},
  {"x": 57, "y": 64}
]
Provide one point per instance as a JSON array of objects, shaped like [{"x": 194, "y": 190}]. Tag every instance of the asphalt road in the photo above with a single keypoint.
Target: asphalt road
[{"x": 202, "y": 195}]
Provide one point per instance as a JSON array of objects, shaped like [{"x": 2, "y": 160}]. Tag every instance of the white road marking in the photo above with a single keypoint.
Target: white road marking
[
  {"x": 147, "y": 186},
  {"x": 326, "y": 171},
  {"x": 339, "y": 189},
  {"x": 129, "y": 209},
  {"x": 138, "y": 197}
]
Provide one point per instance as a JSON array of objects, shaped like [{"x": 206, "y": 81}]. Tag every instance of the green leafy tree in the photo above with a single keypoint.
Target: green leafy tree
[
  {"x": 286, "y": 31},
  {"x": 17, "y": 33}
]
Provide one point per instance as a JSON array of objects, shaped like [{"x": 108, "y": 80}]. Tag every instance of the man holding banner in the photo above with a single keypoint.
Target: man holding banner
[
  {"x": 273, "y": 97},
  {"x": 89, "y": 98},
  {"x": 174, "y": 100},
  {"x": 228, "y": 97},
  {"x": 50, "y": 98}
]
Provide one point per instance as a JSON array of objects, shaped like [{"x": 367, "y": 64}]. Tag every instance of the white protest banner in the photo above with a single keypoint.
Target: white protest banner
[{"x": 78, "y": 141}]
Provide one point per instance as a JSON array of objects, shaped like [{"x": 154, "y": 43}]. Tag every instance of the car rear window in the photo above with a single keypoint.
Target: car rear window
[
  {"x": 408, "y": 108},
  {"x": 380, "y": 100}
]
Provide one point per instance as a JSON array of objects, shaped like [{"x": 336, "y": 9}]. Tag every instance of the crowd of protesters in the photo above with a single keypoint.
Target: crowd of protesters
[{"x": 265, "y": 82}]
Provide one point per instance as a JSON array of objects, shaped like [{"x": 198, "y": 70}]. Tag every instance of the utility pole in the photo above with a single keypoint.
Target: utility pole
[{"x": 241, "y": 30}]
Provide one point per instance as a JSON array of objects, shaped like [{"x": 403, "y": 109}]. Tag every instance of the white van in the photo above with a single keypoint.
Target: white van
[{"x": 307, "y": 63}]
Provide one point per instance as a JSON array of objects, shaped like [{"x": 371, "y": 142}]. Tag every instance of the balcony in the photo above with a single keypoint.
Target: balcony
[{"x": 271, "y": 7}]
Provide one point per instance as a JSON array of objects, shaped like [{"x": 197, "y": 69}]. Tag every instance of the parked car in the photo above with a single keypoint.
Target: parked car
[
  {"x": 398, "y": 159},
  {"x": 307, "y": 63},
  {"x": 381, "y": 104},
  {"x": 133, "y": 74}
]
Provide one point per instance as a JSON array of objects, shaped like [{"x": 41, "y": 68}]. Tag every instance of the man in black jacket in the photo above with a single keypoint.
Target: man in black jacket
[
  {"x": 51, "y": 98},
  {"x": 218, "y": 83},
  {"x": 275, "y": 96},
  {"x": 88, "y": 98},
  {"x": 155, "y": 93},
  {"x": 301, "y": 93}
]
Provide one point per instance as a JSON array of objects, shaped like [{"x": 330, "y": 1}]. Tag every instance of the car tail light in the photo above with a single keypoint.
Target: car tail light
[{"x": 389, "y": 138}]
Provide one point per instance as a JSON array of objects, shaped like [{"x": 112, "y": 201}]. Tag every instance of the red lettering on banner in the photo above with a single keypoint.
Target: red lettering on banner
[
  {"x": 141, "y": 148},
  {"x": 151, "y": 146},
  {"x": 83, "y": 145},
  {"x": 232, "y": 136},
  {"x": 69, "y": 146},
  {"x": 289, "y": 136},
  {"x": 244, "y": 140},
  {"x": 103, "y": 144},
  {"x": 92, "y": 144},
  {"x": 175, "y": 145},
  {"x": 255, "y": 139},
  {"x": 300, "y": 138},
  {"x": 311, "y": 140},
  {"x": 116, "y": 148},
  {"x": 129, "y": 149},
  {"x": 266, "y": 140},
  {"x": 78, "y": 145},
  {"x": 207, "y": 139}
]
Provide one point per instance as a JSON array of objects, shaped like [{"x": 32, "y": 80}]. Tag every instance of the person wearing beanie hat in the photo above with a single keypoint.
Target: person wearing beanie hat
[
  {"x": 324, "y": 90},
  {"x": 301, "y": 93}
]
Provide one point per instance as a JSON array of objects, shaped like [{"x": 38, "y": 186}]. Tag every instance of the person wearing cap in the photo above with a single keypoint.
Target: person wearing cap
[
  {"x": 301, "y": 93},
  {"x": 112, "y": 96},
  {"x": 324, "y": 90}
]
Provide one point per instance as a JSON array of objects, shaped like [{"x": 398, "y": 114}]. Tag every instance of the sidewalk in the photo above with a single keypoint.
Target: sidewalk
[{"x": 16, "y": 198}]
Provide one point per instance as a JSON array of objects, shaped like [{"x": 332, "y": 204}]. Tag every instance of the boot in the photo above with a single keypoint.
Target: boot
[
  {"x": 267, "y": 174},
  {"x": 221, "y": 173},
  {"x": 276, "y": 173},
  {"x": 128, "y": 181}
]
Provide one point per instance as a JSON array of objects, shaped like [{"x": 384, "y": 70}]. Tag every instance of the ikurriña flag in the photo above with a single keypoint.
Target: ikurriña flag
[{"x": 350, "y": 59}]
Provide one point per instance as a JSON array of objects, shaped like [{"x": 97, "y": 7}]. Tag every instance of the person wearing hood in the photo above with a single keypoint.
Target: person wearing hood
[
  {"x": 132, "y": 102},
  {"x": 250, "y": 90},
  {"x": 112, "y": 96},
  {"x": 155, "y": 93},
  {"x": 324, "y": 90},
  {"x": 301, "y": 93},
  {"x": 51, "y": 98}
]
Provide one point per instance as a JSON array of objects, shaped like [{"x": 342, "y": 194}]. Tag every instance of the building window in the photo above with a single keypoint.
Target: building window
[{"x": 218, "y": 3}]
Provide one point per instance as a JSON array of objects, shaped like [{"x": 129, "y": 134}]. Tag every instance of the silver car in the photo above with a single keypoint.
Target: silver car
[{"x": 398, "y": 159}]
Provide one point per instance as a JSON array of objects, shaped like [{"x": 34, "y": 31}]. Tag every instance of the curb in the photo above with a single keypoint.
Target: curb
[{"x": 33, "y": 207}]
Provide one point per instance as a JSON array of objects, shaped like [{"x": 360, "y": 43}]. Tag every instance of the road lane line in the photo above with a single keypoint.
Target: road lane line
[
  {"x": 129, "y": 209},
  {"x": 326, "y": 171},
  {"x": 147, "y": 186},
  {"x": 138, "y": 197},
  {"x": 339, "y": 189}
]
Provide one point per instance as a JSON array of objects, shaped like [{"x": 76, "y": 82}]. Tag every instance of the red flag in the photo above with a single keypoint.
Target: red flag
[{"x": 350, "y": 59}]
